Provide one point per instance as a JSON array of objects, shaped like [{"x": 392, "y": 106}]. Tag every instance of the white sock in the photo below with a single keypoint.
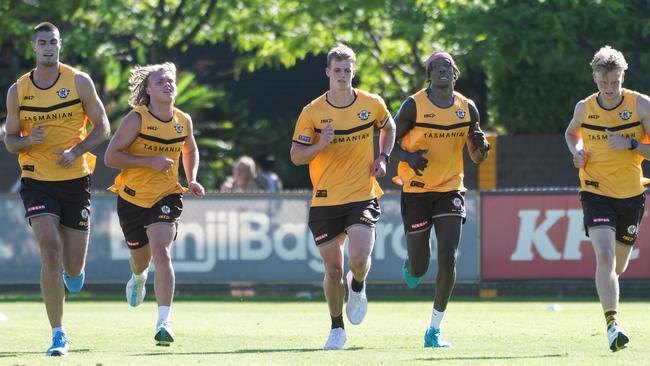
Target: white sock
[
  {"x": 58, "y": 329},
  {"x": 436, "y": 318},
  {"x": 140, "y": 277},
  {"x": 163, "y": 314}
]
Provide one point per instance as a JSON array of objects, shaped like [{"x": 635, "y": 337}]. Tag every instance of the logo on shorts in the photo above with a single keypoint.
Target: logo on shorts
[
  {"x": 34, "y": 208},
  {"x": 600, "y": 219},
  {"x": 625, "y": 115},
  {"x": 178, "y": 128},
  {"x": 364, "y": 115},
  {"x": 321, "y": 237},
  {"x": 132, "y": 243},
  {"x": 165, "y": 209},
  {"x": 63, "y": 93},
  {"x": 419, "y": 225},
  {"x": 85, "y": 214},
  {"x": 460, "y": 113},
  {"x": 457, "y": 203},
  {"x": 631, "y": 229}
]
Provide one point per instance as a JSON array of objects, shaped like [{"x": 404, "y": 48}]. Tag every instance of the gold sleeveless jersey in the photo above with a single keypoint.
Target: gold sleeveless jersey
[
  {"x": 60, "y": 111},
  {"x": 607, "y": 172},
  {"x": 145, "y": 186},
  {"x": 340, "y": 173},
  {"x": 442, "y": 131}
]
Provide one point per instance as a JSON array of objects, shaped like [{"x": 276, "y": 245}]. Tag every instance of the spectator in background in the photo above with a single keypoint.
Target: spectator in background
[
  {"x": 267, "y": 179},
  {"x": 243, "y": 177}
]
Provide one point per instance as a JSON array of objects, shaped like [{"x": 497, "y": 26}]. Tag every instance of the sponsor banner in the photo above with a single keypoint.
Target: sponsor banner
[
  {"x": 256, "y": 238},
  {"x": 541, "y": 236}
]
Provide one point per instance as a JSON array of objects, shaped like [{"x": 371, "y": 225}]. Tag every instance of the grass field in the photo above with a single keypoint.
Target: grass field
[{"x": 290, "y": 333}]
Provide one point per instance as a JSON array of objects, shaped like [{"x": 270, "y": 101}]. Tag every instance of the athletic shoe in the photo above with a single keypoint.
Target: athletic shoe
[
  {"x": 433, "y": 338},
  {"x": 136, "y": 290},
  {"x": 336, "y": 340},
  {"x": 411, "y": 281},
  {"x": 74, "y": 284},
  {"x": 357, "y": 305},
  {"x": 59, "y": 345},
  {"x": 617, "y": 338},
  {"x": 164, "y": 335}
]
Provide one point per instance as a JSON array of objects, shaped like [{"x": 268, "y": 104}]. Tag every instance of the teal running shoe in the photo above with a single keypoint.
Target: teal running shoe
[
  {"x": 411, "y": 281},
  {"x": 59, "y": 345},
  {"x": 434, "y": 339},
  {"x": 74, "y": 284},
  {"x": 164, "y": 335}
]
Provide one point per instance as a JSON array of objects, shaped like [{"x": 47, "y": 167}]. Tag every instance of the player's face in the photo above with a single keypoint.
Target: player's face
[
  {"x": 47, "y": 46},
  {"x": 340, "y": 74},
  {"x": 442, "y": 72},
  {"x": 610, "y": 84},
  {"x": 162, "y": 86}
]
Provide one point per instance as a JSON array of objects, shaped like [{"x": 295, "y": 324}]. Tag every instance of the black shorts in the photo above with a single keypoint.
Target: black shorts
[
  {"x": 67, "y": 199},
  {"x": 419, "y": 209},
  {"x": 327, "y": 222},
  {"x": 135, "y": 220},
  {"x": 622, "y": 215}
]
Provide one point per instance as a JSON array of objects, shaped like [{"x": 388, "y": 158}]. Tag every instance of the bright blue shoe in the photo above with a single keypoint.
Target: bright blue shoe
[
  {"x": 59, "y": 345},
  {"x": 74, "y": 284},
  {"x": 411, "y": 281},
  {"x": 434, "y": 339}
]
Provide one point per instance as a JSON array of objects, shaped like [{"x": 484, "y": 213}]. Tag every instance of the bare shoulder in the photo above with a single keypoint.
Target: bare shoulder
[{"x": 643, "y": 106}]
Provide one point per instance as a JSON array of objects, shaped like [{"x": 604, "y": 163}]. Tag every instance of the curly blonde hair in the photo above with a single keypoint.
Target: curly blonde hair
[
  {"x": 139, "y": 80},
  {"x": 608, "y": 59}
]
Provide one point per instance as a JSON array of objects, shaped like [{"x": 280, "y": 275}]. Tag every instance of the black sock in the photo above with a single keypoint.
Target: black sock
[
  {"x": 610, "y": 317},
  {"x": 337, "y": 321},
  {"x": 356, "y": 286}
]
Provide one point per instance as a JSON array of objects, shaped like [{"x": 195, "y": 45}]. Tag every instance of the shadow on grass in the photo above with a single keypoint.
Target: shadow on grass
[
  {"x": 243, "y": 351},
  {"x": 491, "y": 357},
  {"x": 25, "y": 353}
]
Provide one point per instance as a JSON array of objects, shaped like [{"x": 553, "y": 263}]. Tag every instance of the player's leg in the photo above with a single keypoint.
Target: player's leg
[
  {"x": 74, "y": 198},
  {"x": 75, "y": 248},
  {"x": 361, "y": 241},
  {"x": 160, "y": 237},
  {"x": 332, "y": 254},
  {"x": 416, "y": 209}
]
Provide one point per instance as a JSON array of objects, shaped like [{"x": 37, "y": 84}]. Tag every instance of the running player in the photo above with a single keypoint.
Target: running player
[{"x": 334, "y": 135}]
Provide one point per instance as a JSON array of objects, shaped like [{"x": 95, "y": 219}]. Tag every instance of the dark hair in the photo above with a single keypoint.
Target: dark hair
[
  {"x": 265, "y": 161},
  {"x": 45, "y": 27}
]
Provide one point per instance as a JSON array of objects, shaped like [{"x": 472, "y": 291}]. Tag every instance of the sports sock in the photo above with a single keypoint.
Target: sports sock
[
  {"x": 163, "y": 314},
  {"x": 610, "y": 317},
  {"x": 436, "y": 318},
  {"x": 58, "y": 329},
  {"x": 356, "y": 286},
  {"x": 337, "y": 321},
  {"x": 140, "y": 277}
]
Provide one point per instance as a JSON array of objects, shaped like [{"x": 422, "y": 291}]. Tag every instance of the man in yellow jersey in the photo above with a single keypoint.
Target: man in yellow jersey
[
  {"x": 334, "y": 135},
  {"x": 47, "y": 112},
  {"x": 608, "y": 139},
  {"x": 433, "y": 126},
  {"x": 147, "y": 148}
]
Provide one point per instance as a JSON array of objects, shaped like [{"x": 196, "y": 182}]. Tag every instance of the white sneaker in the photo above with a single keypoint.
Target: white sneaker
[
  {"x": 336, "y": 340},
  {"x": 357, "y": 305},
  {"x": 136, "y": 290},
  {"x": 164, "y": 335},
  {"x": 617, "y": 338}
]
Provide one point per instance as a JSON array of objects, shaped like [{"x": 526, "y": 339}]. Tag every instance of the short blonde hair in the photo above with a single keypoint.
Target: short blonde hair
[
  {"x": 341, "y": 52},
  {"x": 608, "y": 59},
  {"x": 139, "y": 80}
]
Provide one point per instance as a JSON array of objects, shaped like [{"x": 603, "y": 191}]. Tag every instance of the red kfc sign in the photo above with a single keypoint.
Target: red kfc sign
[{"x": 541, "y": 236}]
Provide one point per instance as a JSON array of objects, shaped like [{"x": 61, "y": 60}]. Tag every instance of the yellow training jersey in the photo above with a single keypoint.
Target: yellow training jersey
[
  {"x": 340, "y": 173},
  {"x": 60, "y": 111},
  {"x": 607, "y": 172},
  {"x": 145, "y": 186},
  {"x": 443, "y": 132}
]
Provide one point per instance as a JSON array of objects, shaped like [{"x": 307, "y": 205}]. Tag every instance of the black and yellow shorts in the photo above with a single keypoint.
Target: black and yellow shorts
[
  {"x": 135, "y": 219},
  {"x": 419, "y": 209},
  {"x": 327, "y": 222},
  {"x": 623, "y": 215},
  {"x": 67, "y": 199}
]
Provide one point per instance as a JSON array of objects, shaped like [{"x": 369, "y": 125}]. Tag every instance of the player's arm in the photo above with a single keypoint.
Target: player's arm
[
  {"x": 477, "y": 144},
  {"x": 14, "y": 142},
  {"x": 303, "y": 153},
  {"x": 573, "y": 138},
  {"x": 191, "y": 161},
  {"x": 94, "y": 109},
  {"x": 116, "y": 155},
  {"x": 404, "y": 122},
  {"x": 386, "y": 142}
]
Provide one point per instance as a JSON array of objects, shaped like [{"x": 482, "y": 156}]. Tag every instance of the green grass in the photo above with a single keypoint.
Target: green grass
[{"x": 290, "y": 333}]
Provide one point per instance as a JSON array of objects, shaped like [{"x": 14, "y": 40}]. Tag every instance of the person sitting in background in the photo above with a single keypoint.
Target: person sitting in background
[
  {"x": 267, "y": 179},
  {"x": 243, "y": 177}
]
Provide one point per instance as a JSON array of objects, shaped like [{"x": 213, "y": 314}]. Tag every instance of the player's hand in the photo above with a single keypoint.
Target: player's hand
[
  {"x": 326, "y": 135},
  {"x": 161, "y": 163},
  {"x": 416, "y": 161},
  {"x": 479, "y": 141},
  {"x": 616, "y": 141},
  {"x": 378, "y": 167},
  {"x": 196, "y": 189},
  {"x": 36, "y": 135},
  {"x": 66, "y": 157},
  {"x": 579, "y": 159}
]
